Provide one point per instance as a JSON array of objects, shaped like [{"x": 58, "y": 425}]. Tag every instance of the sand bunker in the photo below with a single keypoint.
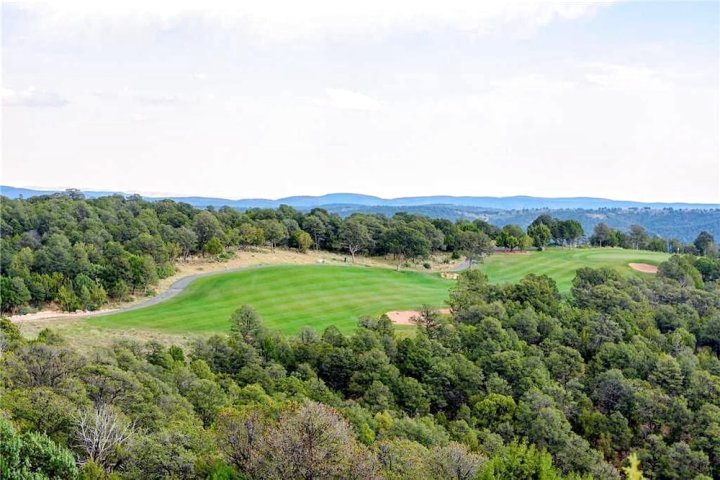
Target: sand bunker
[
  {"x": 404, "y": 317},
  {"x": 450, "y": 275},
  {"x": 644, "y": 267}
]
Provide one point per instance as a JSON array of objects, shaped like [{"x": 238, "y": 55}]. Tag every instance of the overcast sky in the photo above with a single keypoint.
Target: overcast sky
[{"x": 390, "y": 98}]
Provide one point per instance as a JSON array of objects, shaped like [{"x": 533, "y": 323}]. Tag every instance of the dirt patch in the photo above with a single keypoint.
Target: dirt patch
[
  {"x": 56, "y": 314},
  {"x": 405, "y": 317},
  {"x": 644, "y": 267}
]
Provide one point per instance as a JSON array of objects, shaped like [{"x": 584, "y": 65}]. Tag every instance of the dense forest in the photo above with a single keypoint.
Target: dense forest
[
  {"x": 82, "y": 253},
  {"x": 518, "y": 382},
  {"x": 679, "y": 223}
]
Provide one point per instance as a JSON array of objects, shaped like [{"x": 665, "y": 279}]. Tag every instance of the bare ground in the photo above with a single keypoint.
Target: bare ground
[
  {"x": 643, "y": 267},
  {"x": 405, "y": 317}
]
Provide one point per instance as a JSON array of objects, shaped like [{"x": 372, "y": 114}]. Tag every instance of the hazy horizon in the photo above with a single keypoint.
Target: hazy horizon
[
  {"x": 617, "y": 100},
  {"x": 236, "y": 198}
]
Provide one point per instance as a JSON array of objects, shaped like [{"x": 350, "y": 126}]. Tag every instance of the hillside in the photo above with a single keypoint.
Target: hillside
[
  {"x": 668, "y": 220},
  {"x": 519, "y": 202}
]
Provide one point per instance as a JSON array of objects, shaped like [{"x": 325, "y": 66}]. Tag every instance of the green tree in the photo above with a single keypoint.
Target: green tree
[
  {"x": 275, "y": 232},
  {"x": 250, "y": 235},
  {"x": 355, "y": 237},
  {"x": 511, "y": 237},
  {"x": 302, "y": 240},
  {"x": 520, "y": 461},
  {"x": 540, "y": 234},
  {"x": 637, "y": 236},
  {"x": 13, "y": 293},
  {"x": 472, "y": 288},
  {"x": 316, "y": 227},
  {"x": 213, "y": 247},
  {"x": 681, "y": 268},
  {"x": 21, "y": 263},
  {"x": 567, "y": 232},
  {"x": 67, "y": 299},
  {"x": 668, "y": 375},
  {"x": 601, "y": 235},
  {"x": 474, "y": 245},
  {"x": 143, "y": 272},
  {"x": 56, "y": 255},
  {"x": 494, "y": 410},
  {"x": 246, "y": 325},
  {"x": 206, "y": 226},
  {"x": 405, "y": 242},
  {"x": 705, "y": 243},
  {"x": 187, "y": 239},
  {"x": 33, "y": 456}
]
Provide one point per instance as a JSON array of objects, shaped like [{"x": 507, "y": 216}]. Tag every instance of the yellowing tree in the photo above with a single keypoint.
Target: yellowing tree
[{"x": 633, "y": 472}]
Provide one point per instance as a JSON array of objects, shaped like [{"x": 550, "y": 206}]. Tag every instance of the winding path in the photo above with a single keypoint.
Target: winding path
[
  {"x": 179, "y": 285},
  {"x": 461, "y": 267},
  {"x": 174, "y": 289}
]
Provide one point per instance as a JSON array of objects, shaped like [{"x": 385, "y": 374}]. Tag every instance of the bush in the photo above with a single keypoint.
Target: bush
[
  {"x": 427, "y": 265},
  {"x": 27, "y": 309},
  {"x": 225, "y": 256},
  {"x": 165, "y": 270},
  {"x": 33, "y": 455}
]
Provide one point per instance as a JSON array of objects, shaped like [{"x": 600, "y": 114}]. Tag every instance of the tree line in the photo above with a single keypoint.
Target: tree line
[
  {"x": 517, "y": 382},
  {"x": 82, "y": 253}
]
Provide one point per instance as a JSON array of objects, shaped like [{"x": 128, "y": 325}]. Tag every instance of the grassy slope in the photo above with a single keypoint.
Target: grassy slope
[
  {"x": 561, "y": 263},
  {"x": 290, "y": 297}
]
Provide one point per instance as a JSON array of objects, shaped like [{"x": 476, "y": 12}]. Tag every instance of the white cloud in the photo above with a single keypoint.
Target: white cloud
[
  {"x": 347, "y": 99},
  {"x": 143, "y": 97},
  {"x": 286, "y": 20},
  {"x": 345, "y": 87},
  {"x": 157, "y": 99},
  {"x": 32, "y": 97},
  {"x": 625, "y": 77}
]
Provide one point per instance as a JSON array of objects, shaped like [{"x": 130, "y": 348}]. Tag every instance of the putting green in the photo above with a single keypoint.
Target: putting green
[
  {"x": 561, "y": 263},
  {"x": 291, "y": 297}
]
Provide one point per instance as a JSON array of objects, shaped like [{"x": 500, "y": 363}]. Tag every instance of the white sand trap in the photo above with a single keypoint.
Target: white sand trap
[
  {"x": 404, "y": 317},
  {"x": 644, "y": 267}
]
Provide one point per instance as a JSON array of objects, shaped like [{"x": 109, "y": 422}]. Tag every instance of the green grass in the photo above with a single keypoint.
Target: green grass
[
  {"x": 288, "y": 298},
  {"x": 291, "y": 297},
  {"x": 561, "y": 263}
]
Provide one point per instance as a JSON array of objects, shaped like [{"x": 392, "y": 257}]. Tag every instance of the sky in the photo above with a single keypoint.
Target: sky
[{"x": 390, "y": 98}]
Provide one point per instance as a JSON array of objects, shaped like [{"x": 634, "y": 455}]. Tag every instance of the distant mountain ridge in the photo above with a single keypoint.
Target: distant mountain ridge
[
  {"x": 520, "y": 202},
  {"x": 669, "y": 220}
]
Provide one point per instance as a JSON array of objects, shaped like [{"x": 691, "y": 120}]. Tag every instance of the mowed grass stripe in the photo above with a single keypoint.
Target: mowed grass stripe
[
  {"x": 562, "y": 263},
  {"x": 288, "y": 298},
  {"x": 291, "y": 297}
]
